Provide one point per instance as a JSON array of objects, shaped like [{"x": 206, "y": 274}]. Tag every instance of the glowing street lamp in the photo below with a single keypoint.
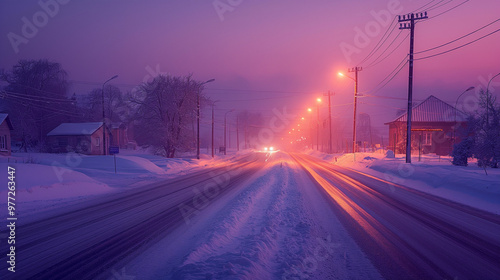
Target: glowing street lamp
[{"x": 355, "y": 103}]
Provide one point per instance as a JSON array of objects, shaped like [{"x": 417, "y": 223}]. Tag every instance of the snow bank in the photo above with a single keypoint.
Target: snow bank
[{"x": 41, "y": 182}]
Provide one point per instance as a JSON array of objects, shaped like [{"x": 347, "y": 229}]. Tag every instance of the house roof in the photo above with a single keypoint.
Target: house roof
[
  {"x": 432, "y": 109},
  {"x": 75, "y": 129},
  {"x": 5, "y": 117}
]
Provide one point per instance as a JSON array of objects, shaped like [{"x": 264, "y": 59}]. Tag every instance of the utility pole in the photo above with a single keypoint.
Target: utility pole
[
  {"x": 317, "y": 129},
  {"x": 411, "y": 18},
  {"x": 213, "y": 124},
  {"x": 330, "y": 119},
  {"x": 237, "y": 133},
  {"x": 355, "y": 70}
]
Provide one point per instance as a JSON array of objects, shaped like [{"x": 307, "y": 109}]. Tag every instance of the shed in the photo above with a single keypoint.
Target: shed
[{"x": 83, "y": 138}]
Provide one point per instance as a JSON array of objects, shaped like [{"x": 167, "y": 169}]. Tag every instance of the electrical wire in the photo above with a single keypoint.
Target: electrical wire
[
  {"x": 383, "y": 39},
  {"x": 459, "y": 47},
  {"x": 389, "y": 75},
  {"x": 421, "y": 8},
  {"x": 375, "y": 62},
  {"x": 449, "y": 9},
  {"x": 464, "y": 36}
]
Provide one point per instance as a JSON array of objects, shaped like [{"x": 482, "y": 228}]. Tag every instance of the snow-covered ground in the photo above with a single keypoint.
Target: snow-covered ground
[
  {"x": 45, "y": 181},
  {"x": 432, "y": 174}
]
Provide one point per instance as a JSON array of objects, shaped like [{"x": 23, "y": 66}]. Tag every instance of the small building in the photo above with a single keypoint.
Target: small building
[
  {"x": 5, "y": 128},
  {"x": 433, "y": 128},
  {"x": 119, "y": 135},
  {"x": 83, "y": 138}
]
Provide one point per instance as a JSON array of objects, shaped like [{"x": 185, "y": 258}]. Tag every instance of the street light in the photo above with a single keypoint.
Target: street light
[
  {"x": 104, "y": 117},
  {"x": 456, "y": 104},
  {"x": 198, "y": 118},
  {"x": 225, "y": 126},
  {"x": 355, "y": 104},
  {"x": 488, "y": 99}
]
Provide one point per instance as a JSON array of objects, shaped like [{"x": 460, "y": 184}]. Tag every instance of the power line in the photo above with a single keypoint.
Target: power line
[
  {"x": 395, "y": 69},
  {"x": 395, "y": 74},
  {"x": 452, "y": 41},
  {"x": 375, "y": 61},
  {"x": 450, "y": 9},
  {"x": 379, "y": 44},
  {"x": 435, "y": 6},
  {"x": 459, "y": 47},
  {"x": 421, "y": 8}
]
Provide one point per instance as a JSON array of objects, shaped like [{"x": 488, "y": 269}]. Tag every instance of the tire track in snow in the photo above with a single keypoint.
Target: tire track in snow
[{"x": 261, "y": 234}]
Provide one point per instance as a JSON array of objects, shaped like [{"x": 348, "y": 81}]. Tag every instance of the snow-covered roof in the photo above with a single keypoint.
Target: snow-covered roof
[
  {"x": 4, "y": 117},
  {"x": 432, "y": 109},
  {"x": 75, "y": 129}
]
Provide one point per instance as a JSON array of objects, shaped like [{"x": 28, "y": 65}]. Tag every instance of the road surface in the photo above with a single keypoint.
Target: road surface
[
  {"x": 264, "y": 216},
  {"x": 410, "y": 234},
  {"x": 85, "y": 242}
]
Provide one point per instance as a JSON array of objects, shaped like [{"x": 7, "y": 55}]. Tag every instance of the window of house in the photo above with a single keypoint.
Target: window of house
[
  {"x": 3, "y": 142},
  {"x": 427, "y": 138},
  {"x": 98, "y": 141},
  {"x": 62, "y": 141}
]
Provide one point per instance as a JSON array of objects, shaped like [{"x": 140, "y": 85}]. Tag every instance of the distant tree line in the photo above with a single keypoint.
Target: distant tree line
[{"x": 162, "y": 111}]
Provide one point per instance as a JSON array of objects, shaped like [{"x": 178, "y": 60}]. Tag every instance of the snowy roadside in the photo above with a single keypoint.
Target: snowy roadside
[
  {"x": 434, "y": 175},
  {"x": 49, "y": 181}
]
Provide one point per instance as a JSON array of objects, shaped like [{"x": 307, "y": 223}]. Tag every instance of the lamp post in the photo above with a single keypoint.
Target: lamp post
[
  {"x": 355, "y": 105},
  {"x": 455, "y": 120},
  {"x": 105, "y": 152},
  {"x": 225, "y": 127},
  {"x": 213, "y": 125},
  {"x": 198, "y": 119},
  {"x": 488, "y": 100}
]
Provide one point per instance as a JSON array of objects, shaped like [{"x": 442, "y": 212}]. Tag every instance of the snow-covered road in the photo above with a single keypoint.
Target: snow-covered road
[
  {"x": 276, "y": 226},
  {"x": 264, "y": 216},
  {"x": 407, "y": 233},
  {"x": 86, "y": 240}
]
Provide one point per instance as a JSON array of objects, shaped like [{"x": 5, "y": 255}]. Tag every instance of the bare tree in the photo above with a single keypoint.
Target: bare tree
[
  {"x": 36, "y": 98},
  {"x": 115, "y": 105},
  {"x": 165, "y": 113}
]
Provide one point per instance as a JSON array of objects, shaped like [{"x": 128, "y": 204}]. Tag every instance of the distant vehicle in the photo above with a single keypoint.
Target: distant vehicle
[{"x": 270, "y": 149}]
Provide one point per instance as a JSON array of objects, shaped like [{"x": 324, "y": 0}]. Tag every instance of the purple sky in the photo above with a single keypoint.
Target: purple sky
[{"x": 285, "y": 53}]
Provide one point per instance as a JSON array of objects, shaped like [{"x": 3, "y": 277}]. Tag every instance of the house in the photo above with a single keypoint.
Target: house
[
  {"x": 433, "y": 128},
  {"x": 5, "y": 128},
  {"x": 83, "y": 138}
]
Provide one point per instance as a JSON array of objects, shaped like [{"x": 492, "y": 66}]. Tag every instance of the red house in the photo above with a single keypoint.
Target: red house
[{"x": 433, "y": 128}]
